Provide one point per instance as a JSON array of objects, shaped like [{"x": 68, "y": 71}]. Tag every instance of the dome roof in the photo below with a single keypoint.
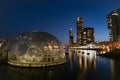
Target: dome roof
[{"x": 35, "y": 47}]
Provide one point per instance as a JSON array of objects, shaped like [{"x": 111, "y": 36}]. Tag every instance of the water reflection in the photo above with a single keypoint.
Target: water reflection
[
  {"x": 13, "y": 73},
  {"x": 80, "y": 65},
  {"x": 85, "y": 59},
  {"x": 115, "y": 69}
]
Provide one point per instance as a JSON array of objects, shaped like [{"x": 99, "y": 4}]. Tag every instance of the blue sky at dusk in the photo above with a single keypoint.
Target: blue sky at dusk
[{"x": 55, "y": 16}]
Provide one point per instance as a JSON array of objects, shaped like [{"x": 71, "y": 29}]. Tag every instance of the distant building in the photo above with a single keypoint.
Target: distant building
[
  {"x": 71, "y": 38},
  {"x": 84, "y": 35},
  {"x": 88, "y": 35},
  {"x": 79, "y": 30},
  {"x": 113, "y": 22},
  {"x": 108, "y": 45}
]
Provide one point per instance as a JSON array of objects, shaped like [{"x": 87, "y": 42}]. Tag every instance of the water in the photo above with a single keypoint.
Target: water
[{"x": 79, "y": 66}]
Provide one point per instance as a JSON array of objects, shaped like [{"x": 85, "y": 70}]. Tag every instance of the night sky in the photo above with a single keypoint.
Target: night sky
[{"x": 55, "y": 16}]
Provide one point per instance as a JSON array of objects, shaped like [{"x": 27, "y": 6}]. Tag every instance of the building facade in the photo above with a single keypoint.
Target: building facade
[
  {"x": 71, "y": 38},
  {"x": 113, "y": 23},
  {"x": 84, "y": 35},
  {"x": 88, "y": 35},
  {"x": 79, "y": 30}
]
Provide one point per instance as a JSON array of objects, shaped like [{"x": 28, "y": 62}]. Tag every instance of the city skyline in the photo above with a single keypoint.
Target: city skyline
[{"x": 55, "y": 17}]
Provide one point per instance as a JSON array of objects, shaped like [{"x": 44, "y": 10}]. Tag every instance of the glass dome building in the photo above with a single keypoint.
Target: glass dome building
[{"x": 35, "y": 49}]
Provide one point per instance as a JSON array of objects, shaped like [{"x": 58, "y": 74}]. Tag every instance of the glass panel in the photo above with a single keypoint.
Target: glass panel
[
  {"x": 34, "y": 51},
  {"x": 22, "y": 49}
]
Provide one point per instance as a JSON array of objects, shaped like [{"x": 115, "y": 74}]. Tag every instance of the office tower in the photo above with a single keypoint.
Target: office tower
[
  {"x": 113, "y": 22},
  {"x": 71, "y": 41},
  {"x": 79, "y": 27},
  {"x": 88, "y": 35}
]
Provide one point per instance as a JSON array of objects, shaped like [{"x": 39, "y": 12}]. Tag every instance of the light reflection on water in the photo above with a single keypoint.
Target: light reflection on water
[
  {"x": 80, "y": 65},
  {"x": 86, "y": 60}
]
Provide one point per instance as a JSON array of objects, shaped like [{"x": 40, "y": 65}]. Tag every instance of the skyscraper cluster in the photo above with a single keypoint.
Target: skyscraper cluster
[
  {"x": 85, "y": 35},
  {"x": 113, "y": 22}
]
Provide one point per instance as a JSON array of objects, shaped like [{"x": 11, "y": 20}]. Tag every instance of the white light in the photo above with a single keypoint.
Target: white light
[
  {"x": 78, "y": 19},
  {"x": 115, "y": 14},
  {"x": 71, "y": 29}
]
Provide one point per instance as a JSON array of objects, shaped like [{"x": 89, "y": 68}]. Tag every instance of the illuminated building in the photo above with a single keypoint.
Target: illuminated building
[
  {"x": 88, "y": 35},
  {"x": 80, "y": 26},
  {"x": 71, "y": 38},
  {"x": 84, "y": 35},
  {"x": 35, "y": 49},
  {"x": 113, "y": 22}
]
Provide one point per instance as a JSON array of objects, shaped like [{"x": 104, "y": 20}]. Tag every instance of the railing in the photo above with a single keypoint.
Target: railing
[{"x": 87, "y": 48}]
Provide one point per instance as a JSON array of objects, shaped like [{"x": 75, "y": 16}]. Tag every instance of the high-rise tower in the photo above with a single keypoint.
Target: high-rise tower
[
  {"x": 71, "y": 41},
  {"x": 80, "y": 26},
  {"x": 113, "y": 21},
  {"x": 88, "y": 35}
]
